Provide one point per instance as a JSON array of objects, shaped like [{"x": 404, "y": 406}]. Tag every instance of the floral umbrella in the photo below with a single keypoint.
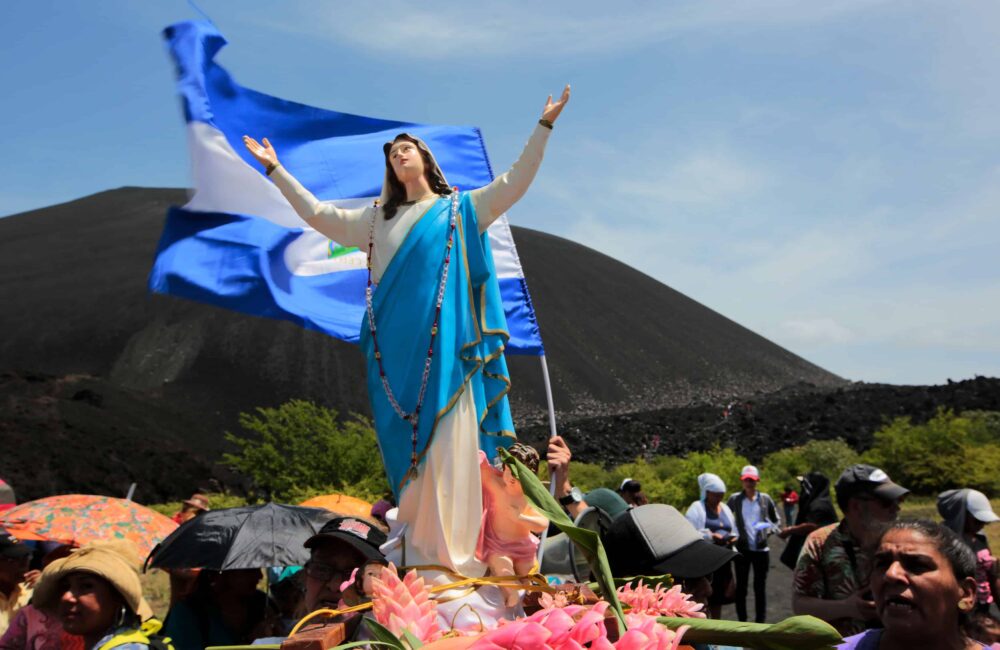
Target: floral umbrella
[
  {"x": 341, "y": 504},
  {"x": 83, "y": 518}
]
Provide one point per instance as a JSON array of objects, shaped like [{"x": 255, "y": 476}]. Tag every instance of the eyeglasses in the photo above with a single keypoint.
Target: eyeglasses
[{"x": 326, "y": 572}]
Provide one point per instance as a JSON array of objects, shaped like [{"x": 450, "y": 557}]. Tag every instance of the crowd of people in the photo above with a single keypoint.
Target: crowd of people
[{"x": 881, "y": 582}]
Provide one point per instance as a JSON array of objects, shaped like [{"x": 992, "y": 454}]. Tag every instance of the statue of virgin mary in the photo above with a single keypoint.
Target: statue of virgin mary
[{"x": 433, "y": 335}]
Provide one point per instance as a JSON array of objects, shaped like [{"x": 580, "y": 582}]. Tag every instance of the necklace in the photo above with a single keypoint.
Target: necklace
[{"x": 413, "y": 417}]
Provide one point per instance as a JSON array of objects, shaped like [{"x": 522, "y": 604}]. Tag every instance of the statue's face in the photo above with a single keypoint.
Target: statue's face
[{"x": 406, "y": 161}]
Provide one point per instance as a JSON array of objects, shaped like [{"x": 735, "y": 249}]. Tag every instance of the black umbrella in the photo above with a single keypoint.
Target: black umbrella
[{"x": 251, "y": 537}]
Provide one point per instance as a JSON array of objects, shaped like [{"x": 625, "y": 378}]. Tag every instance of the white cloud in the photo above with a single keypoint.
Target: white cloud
[
  {"x": 652, "y": 181},
  {"x": 705, "y": 179},
  {"x": 437, "y": 30}
]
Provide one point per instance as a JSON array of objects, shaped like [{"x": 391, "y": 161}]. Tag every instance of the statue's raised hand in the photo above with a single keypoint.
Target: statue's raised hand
[
  {"x": 264, "y": 153},
  {"x": 552, "y": 109}
]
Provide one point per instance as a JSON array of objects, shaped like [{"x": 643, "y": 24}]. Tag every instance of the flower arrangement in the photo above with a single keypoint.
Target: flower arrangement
[
  {"x": 405, "y": 608},
  {"x": 658, "y": 601}
]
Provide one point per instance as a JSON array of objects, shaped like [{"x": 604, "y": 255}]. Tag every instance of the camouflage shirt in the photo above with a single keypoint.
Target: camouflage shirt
[{"x": 831, "y": 566}]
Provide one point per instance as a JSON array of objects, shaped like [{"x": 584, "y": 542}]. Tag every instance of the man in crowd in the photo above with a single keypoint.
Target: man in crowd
[
  {"x": 558, "y": 457},
  {"x": 756, "y": 518},
  {"x": 342, "y": 545},
  {"x": 15, "y": 559},
  {"x": 573, "y": 501},
  {"x": 656, "y": 539},
  {"x": 831, "y": 577},
  {"x": 191, "y": 508}
]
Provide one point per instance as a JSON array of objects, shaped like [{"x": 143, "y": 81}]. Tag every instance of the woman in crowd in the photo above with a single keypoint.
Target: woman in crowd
[
  {"x": 33, "y": 629},
  {"x": 924, "y": 589},
  {"x": 715, "y": 521},
  {"x": 97, "y": 595},
  {"x": 815, "y": 509},
  {"x": 966, "y": 512}
]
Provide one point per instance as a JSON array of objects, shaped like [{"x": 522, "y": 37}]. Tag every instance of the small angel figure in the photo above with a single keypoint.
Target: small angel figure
[
  {"x": 359, "y": 588},
  {"x": 507, "y": 542}
]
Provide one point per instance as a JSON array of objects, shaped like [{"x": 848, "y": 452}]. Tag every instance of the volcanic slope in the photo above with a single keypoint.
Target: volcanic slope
[{"x": 166, "y": 375}]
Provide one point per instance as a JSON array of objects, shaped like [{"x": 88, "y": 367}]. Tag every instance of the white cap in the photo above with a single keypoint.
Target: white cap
[
  {"x": 749, "y": 471},
  {"x": 979, "y": 507}
]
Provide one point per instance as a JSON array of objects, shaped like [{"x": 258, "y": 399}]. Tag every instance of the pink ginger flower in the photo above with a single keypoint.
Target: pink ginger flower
[
  {"x": 578, "y": 627},
  {"x": 574, "y": 627},
  {"x": 405, "y": 605},
  {"x": 520, "y": 634},
  {"x": 644, "y": 633},
  {"x": 659, "y": 601}
]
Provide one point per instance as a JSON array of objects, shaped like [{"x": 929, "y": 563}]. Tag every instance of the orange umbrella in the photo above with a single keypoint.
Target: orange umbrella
[
  {"x": 341, "y": 504},
  {"x": 79, "y": 519}
]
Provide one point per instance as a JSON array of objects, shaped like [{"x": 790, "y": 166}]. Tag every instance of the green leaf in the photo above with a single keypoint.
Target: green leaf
[
  {"x": 794, "y": 633},
  {"x": 665, "y": 581},
  {"x": 413, "y": 641},
  {"x": 383, "y": 635},
  {"x": 587, "y": 541}
]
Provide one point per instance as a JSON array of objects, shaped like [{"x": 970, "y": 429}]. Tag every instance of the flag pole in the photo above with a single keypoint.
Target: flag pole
[{"x": 552, "y": 433}]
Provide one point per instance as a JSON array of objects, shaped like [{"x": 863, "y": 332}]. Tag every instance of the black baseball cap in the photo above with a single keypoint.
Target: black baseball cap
[
  {"x": 12, "y": 547},
  {"x": 863, "y": 480},
  {"x": 362, "y": 535},
  {"x": 655, "y": 539}
]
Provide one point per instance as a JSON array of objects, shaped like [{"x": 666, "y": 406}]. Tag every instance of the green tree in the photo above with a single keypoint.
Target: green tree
[
  {"x": 830, "y": 457},
  {"x": 301, "y": 448},
  {"x": 948, "y": 451}
]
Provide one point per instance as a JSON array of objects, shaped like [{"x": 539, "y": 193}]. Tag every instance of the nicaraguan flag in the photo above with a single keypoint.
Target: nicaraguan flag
[{"x": 239, "y": 245}]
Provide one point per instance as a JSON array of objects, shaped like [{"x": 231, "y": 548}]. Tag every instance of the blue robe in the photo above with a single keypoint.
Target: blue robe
[{"x": 468, "y": 349}]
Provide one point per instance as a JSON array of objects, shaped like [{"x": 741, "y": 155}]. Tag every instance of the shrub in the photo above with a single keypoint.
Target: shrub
[
  {"x": 830, "y": 457},
  {"x": 656, "y": 477},
  {"x": 302, "y": 448},
  {"x": 948, "y": 451},
  {"x": 587, "y": 476},
  {"x": 724, "y": 462}
]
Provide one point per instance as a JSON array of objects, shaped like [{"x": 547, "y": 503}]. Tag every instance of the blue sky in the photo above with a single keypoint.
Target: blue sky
[{"x": 826, "y": 174}]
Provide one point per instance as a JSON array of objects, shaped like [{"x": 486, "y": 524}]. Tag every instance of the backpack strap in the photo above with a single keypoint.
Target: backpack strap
[
  {"x": 146, "y": 635},
  {"x": 122, "y": 638}
]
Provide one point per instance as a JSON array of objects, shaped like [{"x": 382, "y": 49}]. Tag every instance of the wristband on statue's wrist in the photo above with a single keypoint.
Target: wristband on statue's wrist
[{"x": 546, "y": 123}]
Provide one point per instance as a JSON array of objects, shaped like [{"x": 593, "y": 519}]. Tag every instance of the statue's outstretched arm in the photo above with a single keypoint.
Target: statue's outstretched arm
[
  {"x": 347, "y": 227},
  {"x": 508, "y": 188}
]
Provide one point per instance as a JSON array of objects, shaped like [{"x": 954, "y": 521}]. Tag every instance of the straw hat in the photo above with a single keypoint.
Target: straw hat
[
  {"x": 199, "y": 501},
  {"x": 117, "y": 562}
]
